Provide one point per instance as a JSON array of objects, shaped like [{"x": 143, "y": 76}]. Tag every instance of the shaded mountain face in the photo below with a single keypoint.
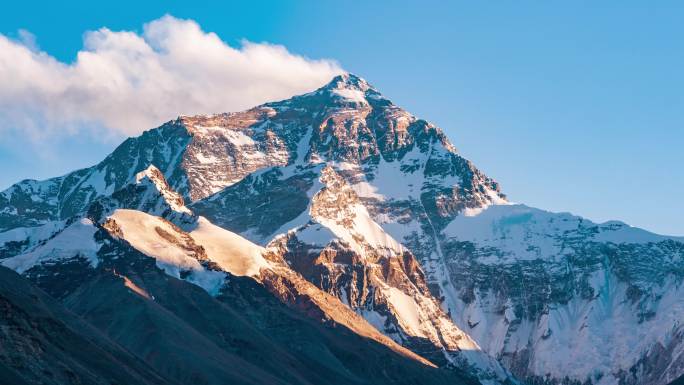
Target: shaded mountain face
[
  {"x": 349, "y": 211},
  {"x": 44, "y": 343}
]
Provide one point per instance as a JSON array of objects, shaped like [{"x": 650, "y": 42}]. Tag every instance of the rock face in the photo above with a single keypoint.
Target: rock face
[
  {"x": 345, "y": 208},
  {"x": 342, "y": 250}
]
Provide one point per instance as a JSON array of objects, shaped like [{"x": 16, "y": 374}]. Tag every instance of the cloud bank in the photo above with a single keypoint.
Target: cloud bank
[{"x": 122, "y": 83}]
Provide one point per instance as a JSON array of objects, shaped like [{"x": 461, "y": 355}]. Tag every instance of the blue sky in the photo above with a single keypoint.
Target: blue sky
[{"x": 571, "y": 106}]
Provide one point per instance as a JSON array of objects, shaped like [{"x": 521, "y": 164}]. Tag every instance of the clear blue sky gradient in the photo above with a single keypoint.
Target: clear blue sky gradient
[{"x": 573, "y": 106}]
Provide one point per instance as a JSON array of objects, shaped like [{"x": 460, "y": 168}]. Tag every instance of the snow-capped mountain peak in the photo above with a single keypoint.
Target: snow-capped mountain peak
[
  {"x": 348, "y": 81},
  {"x": 349, "y": 88},
  {"x": 345, "y": 206}
]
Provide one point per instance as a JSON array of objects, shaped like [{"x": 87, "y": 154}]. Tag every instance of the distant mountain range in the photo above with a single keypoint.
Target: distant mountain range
[{"x": 331, "y": 238}]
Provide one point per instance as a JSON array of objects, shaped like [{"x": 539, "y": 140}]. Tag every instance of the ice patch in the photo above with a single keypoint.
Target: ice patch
[
  {"x": 366, "y": 190},
  {"x": 31, "y": 234},
  {"x": 75, "y": 240},
  {"x": 406, "y": 309},
  {"x": 356, "y": 96},
  {"x": 204, "y": 159},
  {"x": 238, "y": 138}
]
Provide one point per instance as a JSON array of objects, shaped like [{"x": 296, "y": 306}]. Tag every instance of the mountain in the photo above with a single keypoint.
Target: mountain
[{"x": 342, "y": 209}]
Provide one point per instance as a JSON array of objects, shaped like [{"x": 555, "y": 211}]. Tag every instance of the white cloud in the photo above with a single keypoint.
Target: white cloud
[{"x": 124, "y": 82}]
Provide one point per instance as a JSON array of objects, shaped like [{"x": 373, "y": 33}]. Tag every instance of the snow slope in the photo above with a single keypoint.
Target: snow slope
[
  {"x": 174, "y": 252},
  {"x": 596, "y": 302},
  {"x": 230, "y": 251},
  {"x": 75, "y": 241}
]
